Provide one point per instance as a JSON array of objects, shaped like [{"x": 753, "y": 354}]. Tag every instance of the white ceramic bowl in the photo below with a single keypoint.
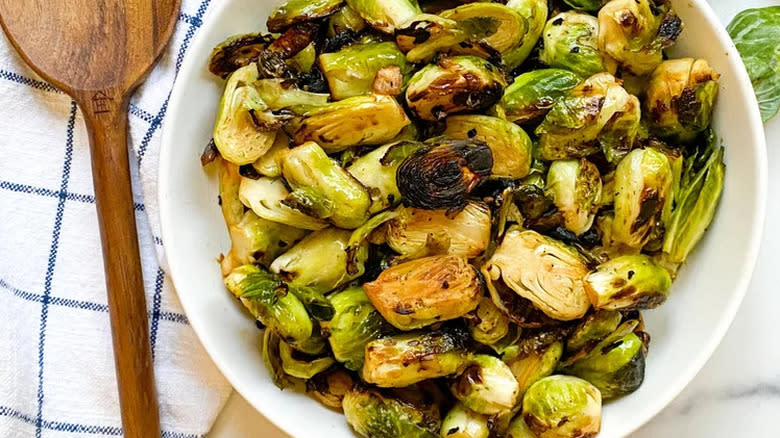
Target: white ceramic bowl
[{"x": 684, "y": 331}]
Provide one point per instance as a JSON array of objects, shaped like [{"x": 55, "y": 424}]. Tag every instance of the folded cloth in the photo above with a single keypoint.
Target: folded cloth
[{"x": 57, "y": 374}]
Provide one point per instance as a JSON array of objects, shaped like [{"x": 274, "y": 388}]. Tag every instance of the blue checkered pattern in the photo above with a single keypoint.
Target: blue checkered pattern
[{"x": 56, "y": 365}]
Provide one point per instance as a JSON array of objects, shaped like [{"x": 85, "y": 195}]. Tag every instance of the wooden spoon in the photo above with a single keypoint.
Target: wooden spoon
[{"x": 98, "y": 51}]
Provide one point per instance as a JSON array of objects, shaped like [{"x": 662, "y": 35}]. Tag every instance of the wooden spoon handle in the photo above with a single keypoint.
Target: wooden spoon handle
[{"x": 106, "y": 119}]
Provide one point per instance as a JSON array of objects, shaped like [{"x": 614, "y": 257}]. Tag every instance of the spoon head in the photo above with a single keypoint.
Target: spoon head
[{"x": 90, "y": 45}]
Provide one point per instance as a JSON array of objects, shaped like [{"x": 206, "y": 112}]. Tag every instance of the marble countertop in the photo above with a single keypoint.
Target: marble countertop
[{"x": 737, "y": 393}]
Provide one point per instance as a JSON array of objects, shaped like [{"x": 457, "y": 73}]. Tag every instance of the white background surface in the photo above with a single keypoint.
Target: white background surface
[{"x": 736, "y": 394}]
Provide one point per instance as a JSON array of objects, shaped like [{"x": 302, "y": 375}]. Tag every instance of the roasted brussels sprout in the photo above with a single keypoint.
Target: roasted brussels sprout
[
  {"x": 345, "y": 19},
  {"x": 462, "y": 422},
  {"x": 643, "y": 182},
  {"x": 562, "y": 407},
  {"x": 378, "y": 177},
  {"x": 297, "y": 11},
  {"x": 268, "y": 164},
  {"x": 586, "y": 5},
  {"x": 518, "y": 429},
  {"x": 355, "y": 324},
  {"x": 236, "y": 52},
  {"x": 532, "y": 364},
  {"x": 443, "y": 174},
  {"x": 322, "y": 188},
  {"x": 415, "y": 233},
  {"x": 374, "y": 414},
  {"x": 237, "y": 136},
  {"x": 330, "y": 387},
  {"x": 575, "y": 187},
  {"x": 304, "y": 60},
  {"x": 616, "y": 365},
  {"x": 535, "y": 14},
  {"x": 571, "y": 42},
  {"x": 680, "y": 97},
  {"x": 280, "y": 94},
  {"x": 424, "y": 291},
  {"x": 542, "y": 270},
  {"x": 501, "y": 27},
  {"x": 266, "y": 197},
  {"x": 486, "y": 386},
  {"x": 455, "y": 84},
  {"x": 402, "y": 360},
  {"x": 352, "y": 70},
  {"x": 301, "y": 365},
  {"x": 598, "y": 112},
  {"x": 269, "y": 348},
  {"x": 509, "y": 144},
  {"x": 385, "y": 15},
  {"x": 595, "y": 327},
  {"x": 361, "y": 120},
  {"x": 630, "y": 282},
  {"x": 533, "y": 94},
  {"x": 426, "y": 35},
  {"x": 635, "y": 33},
  {"x": 488, "y": 324},
  {"x": 302, "y": 265}
]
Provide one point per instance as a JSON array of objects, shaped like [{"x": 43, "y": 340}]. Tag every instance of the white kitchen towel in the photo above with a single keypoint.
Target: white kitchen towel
[{"x": 56, "y": 364}]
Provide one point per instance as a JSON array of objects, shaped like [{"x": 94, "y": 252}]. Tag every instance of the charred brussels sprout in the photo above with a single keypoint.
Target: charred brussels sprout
[
  {"x": 319, "y": 261},
  {"x": 635, "y": 33},
  {"x": 361, "y": 120},
  {"x": 533, "y": 364},
  {"x": 486, "y": 386},
  {"x": 268, "y": 164},
  {"x": 330, "y": 387},
  {"x": 597, "y": 114},
  {"x": 236, "y": 52},
  {"x": 575, "y": 187},
  {"x": 417, "y": 233},
  {"x": 562, "y": 407},
  {"x": 423, "y": 291},
  {"x": 355, "y": 324},
  {"x": 643, "y": 182},
  {"x": 455, "y": 84},
  {"x": 426, "y": 35},
  {"x": 533, "y": 94},
  {"x": 535, "y": 14},
  {"x": 488, "y": 324},
  {"x": 509, "y": 144},
  {"x": 571, "y": 42},
  {"x": 266, "y": 197},
  {"x": 322, "y": 188},
  {"x": 402, "y": 360},
  {"x": 680, "y": 97},
  {"x": 542, "y": 270},
  {"x": 297, "y": 11},
  {"x": 385, "y": 15},
  {"x": 300, "y": 365},
  {"x": 499, "y": 26},
  {"x": 442, "y": 175},
  {"x": 352, "y": 70},
  {"x": 595, "y": 327},
  {"x": 586, "y": 5},
  {"x": 518, "y": 429},
  {"x": 377, "y": 177},
  {"x": 462, "y": 422},
  {"x": 280, "y": 94},
  {"x": 374, "y": 414},
  {"x": 630, "y": 282}
]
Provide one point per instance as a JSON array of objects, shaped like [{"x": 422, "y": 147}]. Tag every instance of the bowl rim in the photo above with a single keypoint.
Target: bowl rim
[{"x": 665, "y": 397}]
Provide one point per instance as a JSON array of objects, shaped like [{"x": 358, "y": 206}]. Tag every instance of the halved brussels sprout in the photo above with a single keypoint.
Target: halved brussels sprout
[
  {"x": 643, "y": 182},
  {"x": 237, "y": 135},
  {"x": 598, "y": 112},
  {"x": 322, "y": 188},
  {"x": 330, "y": 387},
  {"x": 345, "y": 19},
  {"x": 281, "y": 93},
  {"x": 630, "y": 282},
  {"x": 635, "y": 33},
  {"x": 265, "y": 196},
  {"x": 300, "y": 365},
  {"x": 304, "y": 60},
  {"x": 319, "y": 261},
  {"x": 502, "y": 28},
  {"x": 575, "y": 187},
  {"x": 455, "y": 84},
  {"x": 297, "y": 11},
  {"x": 424, "y": 291},
  {"x": 355, "y": 324},
  {"x": 374, "y": 414},
  {"x": 616, "y": 365},
  {"x": 518, "y": 429},
  {"x": 542, "y": 270},
  {"x": 680, "y": 98},
  {"x": 586, "y": 5},
  {"x": 595, "y": 327},
  {"x": 402, "y": 360},
  {"x": 269, "y": 348},
  {"x": 426, "y": 35},
  {"x": 488, "y": 324},
  {"x": 486, "y": 386},
  {"x": 351, "y": 71},
  {"x": 268, "y": 164},
  {"x": 443, "y": 174},
  {"x": 385, "y": 15},
  {"x": 510, "y": 145},
  {"x": 236, "y": 52},
  {"x": 462, "y": 422},
  {"x": 533, "y": 364},
  {"x": 571, "y": 42},
  {"x": 378, "y": 177},
  {"x": 417, "y": 233},
  {"x": 533, "y": 94},
  {"x": 535, "y": 14},
  {"x": 361, "y": 120},
  {"x": 562, "y": 407}
]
